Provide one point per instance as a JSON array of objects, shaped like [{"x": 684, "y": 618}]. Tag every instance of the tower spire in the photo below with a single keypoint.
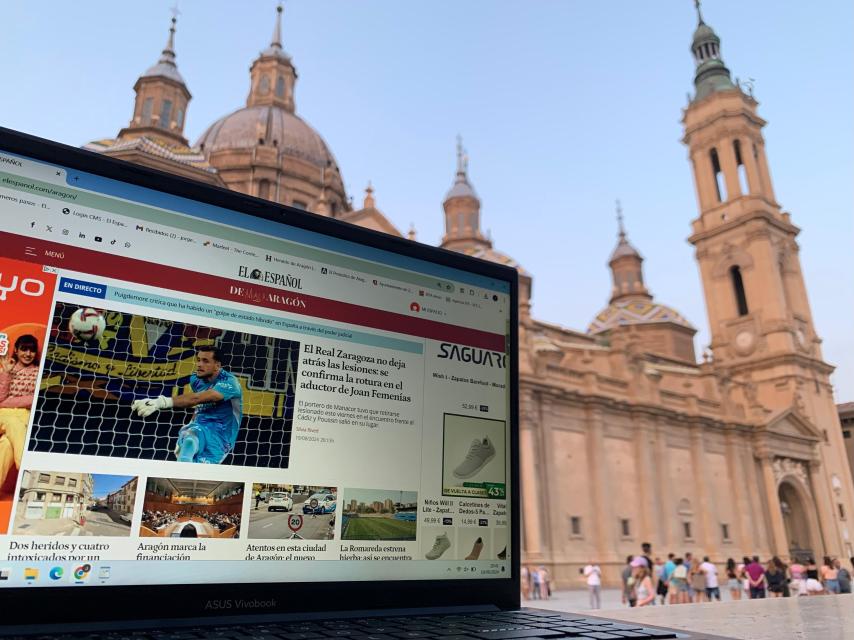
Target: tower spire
[
  {"x": 275, "y": 48},
  {"x": 462, "y": 208},
  {"x": 166, "y": 65},
  {"x": 276, "y": 42},
  {"x": 622, "y": 230},
  {"x": 461, "y": 186},
  {"x": 272, "y": 74},
  {"x": 462, "y": 159},
  {"x": 712, "y": 74},
  {"x": 161, "y": 96},
  {"x": 626, "y": 265}
]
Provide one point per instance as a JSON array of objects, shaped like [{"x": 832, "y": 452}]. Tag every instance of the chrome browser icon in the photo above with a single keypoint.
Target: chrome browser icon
[{"x": 82, "y": 572}]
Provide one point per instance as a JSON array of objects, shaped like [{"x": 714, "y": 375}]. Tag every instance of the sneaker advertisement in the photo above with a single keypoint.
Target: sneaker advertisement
[{"x": 473, "y": 460}]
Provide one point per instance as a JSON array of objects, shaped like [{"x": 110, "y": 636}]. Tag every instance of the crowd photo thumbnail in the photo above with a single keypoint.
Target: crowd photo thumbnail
[{"x": 187, "y": 508}]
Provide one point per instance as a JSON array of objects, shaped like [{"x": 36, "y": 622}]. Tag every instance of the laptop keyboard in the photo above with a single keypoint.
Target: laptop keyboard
[{"x": 523, "y": 624}]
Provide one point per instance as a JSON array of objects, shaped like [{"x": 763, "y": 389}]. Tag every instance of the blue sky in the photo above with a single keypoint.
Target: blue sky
[
  {"x": 106, "y": 484},
  {"x": 564, "y": 106}
]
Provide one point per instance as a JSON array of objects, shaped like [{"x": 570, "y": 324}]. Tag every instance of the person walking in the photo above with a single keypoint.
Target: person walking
[
  {"x": 814, "y": 586},
  {"x": 756, "y": 577},
  {"x": 710, "y": 574},
  {"x": 594, "y": 584},
  {"x": 787, "y": 575},
  {"x": 526, "y": 583},
  {"x": 645, "y": 590},
  {"x": 629, "y": 596},
  {"x": 774, "y": 578},
  {"x": 690, "y": 567},
  {"x": 535, "y": 583},
  {"x": 733, "y": 582},
  {"x": 679, "y": 583},
  {"x": 669, "y": 566},
  {"x": 660, "y": 580},
  {"x": 545, "y": 583},
  {"x": 829, "y": 576},
  {"x": 844, "y": 577},
  {"x": 799, "y": 577},
  {"x": 745, "y": 580},
  {"x": 696, "y": 582},
  {"x": 646, "y": 552}
]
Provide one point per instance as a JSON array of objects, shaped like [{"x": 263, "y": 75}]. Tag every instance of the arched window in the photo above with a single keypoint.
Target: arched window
[
  {"x": 146, "y": 110},
  {"x": 165, "y": 113},
  {"x": 720, "y": 184},
  {"x": 738, "y": 288},
  {"x": 739, "y": 162},
  {"x": 264, "y": 189},
  {"x": 280, "y": 87}
]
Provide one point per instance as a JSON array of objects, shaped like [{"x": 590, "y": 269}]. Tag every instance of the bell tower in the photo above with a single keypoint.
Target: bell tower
[
  {"x": 273, "y": 74},
  {"x": 161, "y": 99},
  {"x": 746, "y": 248},
  {"x": 762, "y": 332},
  {"x": 462, "y": 210}
]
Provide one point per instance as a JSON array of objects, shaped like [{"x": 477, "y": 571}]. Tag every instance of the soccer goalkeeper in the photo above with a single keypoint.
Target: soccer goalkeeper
[{"x": 218, "y": 401}]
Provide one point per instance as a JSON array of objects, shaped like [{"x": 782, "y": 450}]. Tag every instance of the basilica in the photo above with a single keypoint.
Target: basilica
[{"x": 625, "y": 436}]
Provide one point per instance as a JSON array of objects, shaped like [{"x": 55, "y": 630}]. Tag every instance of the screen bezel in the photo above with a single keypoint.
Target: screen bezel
[{"x": 114, "y": 603}]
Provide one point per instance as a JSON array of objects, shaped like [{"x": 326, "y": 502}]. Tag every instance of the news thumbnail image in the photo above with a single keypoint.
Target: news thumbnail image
[
  {"x": 190, "y": 508},
  {"x": 132, "y": 386},
  {"x": 25, "y": 303},
  {"x": 379, "y": 514}
]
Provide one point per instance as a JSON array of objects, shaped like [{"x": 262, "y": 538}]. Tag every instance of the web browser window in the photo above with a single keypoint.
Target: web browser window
[{"x": 190, "y": 394}]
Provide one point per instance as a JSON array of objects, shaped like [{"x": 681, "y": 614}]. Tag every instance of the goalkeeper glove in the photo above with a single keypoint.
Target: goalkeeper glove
[{"x": 145, "y": 408}]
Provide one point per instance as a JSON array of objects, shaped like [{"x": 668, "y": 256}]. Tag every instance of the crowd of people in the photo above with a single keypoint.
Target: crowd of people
[
  {"x": 536, "y": 583},
  {"x": 684, "y": 579},
  {"x": 156, "y": 520}
]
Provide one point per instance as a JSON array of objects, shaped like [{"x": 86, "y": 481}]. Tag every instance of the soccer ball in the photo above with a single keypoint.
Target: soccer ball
[{"x": 87, "y": 324}]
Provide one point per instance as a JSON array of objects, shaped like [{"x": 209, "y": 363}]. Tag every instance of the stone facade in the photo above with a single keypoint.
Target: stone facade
[
  {"x": 123, "y": 499},
  {"x": 47, "y": 495},
  {"x": 846, "y": 418},
  {"x": 625, "y": 437}
]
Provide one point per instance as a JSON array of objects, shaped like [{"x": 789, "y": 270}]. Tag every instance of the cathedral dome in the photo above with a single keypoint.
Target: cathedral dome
[
  {"x": 270, "y": 125},
  {"x": 490, "y": 254},
  {"x": 629, "y": 311}
]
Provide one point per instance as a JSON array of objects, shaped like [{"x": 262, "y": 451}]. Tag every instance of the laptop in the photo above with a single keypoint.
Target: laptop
[{"x": 227, "y": 418}]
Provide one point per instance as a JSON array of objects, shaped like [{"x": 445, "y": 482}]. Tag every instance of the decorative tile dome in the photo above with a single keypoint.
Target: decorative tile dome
[{"x": 635, "y": 311}]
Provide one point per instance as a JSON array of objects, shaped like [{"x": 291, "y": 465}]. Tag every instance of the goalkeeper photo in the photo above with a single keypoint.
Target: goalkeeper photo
[{"x": 217, "y": 399}]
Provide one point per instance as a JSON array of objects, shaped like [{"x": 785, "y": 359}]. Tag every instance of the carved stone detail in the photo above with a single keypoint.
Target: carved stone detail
[{"x": 787, "y": 467}]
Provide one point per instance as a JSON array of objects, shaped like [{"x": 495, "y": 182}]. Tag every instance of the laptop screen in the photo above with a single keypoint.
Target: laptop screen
[{"x": 190, "y": 394}]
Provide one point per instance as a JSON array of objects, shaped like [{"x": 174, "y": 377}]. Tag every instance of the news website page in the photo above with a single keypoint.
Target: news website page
[{"x": 192, "y": 395}]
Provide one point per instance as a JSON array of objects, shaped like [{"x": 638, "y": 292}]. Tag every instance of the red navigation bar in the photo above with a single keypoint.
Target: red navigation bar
[{"x": 63, "y": 256}]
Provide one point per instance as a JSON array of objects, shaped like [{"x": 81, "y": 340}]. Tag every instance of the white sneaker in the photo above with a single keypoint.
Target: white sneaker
[
  {"x": 441, "y": 545},
  {"x": 480, "y": 452}
]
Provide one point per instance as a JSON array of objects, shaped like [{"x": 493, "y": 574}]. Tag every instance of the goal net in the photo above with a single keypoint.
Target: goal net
[{"x": 84, "y": 404}]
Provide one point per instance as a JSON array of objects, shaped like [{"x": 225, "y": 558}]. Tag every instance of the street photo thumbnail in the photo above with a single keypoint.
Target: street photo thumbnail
[
  {"x": 120, "y": 385},
  {"x": 63, "y": 503},
  {"x": 379, "y": 514},
  {"x": 474, "y": 457},
  {"x": 186, "y": 508},
  {"x": 279, "y": 511}
]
